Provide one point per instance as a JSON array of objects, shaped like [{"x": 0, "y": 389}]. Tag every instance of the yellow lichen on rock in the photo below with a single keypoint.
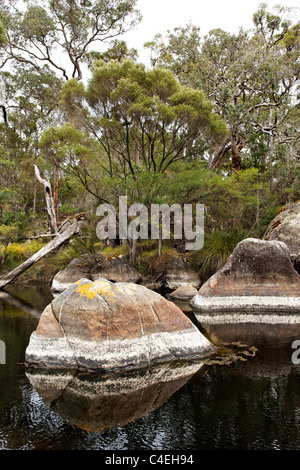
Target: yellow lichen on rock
[
  {"x": 104, "y": 289},
  {"x": 92, "y": 289},
  {"x": 85, "y": 290}
]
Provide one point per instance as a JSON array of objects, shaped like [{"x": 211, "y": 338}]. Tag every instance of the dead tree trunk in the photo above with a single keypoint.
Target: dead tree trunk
[
  {"x": 49, "y": 200},
  {"x": 52, "y": 245},
  {"x": 55, "y": 190}
]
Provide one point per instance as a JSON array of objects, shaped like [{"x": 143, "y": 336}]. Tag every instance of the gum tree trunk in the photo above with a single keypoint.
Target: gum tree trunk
[{"x": 236, "y": 147}]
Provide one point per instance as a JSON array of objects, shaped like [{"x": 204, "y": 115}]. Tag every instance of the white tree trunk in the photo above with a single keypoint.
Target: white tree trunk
[{"x": 49, "y": 200}]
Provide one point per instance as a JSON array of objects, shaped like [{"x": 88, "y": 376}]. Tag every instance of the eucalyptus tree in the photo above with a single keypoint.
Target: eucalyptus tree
[
  {"x": 128, "y": 127},
  {"x": 60, "y": 33},
  {"x": 249, "y": 76},
  {"x": 142, "y": 120},
  {"x": 42, "y": 44}
]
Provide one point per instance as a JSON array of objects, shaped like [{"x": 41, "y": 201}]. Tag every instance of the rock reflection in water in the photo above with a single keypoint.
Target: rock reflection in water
[
  {"x": 272, "y": 341},
  {"x": 254, "y": 334},
  {"x": 97, "y": 402}
]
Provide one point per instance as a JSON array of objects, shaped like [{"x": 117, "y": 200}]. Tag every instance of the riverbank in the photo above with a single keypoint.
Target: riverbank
[{"x": 148, "y": 263}]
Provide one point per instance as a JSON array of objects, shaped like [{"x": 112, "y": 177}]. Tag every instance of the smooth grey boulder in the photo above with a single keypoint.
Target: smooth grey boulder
[
  {"x": 103, "y": 326},
  {"x": 259, "y": 278}
]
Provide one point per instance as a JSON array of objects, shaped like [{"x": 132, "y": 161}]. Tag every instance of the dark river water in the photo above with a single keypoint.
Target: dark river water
[{"x": 246, "y": 397}]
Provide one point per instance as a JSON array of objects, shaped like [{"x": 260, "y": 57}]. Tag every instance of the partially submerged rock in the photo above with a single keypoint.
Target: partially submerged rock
[
  {"x": 182, "y": 296},
  {"x": 178, "y": 274},
  {"x": 258, "y": 277},
  {"x": 112, "y": 326},
  {"x": 183, "y": 293}
]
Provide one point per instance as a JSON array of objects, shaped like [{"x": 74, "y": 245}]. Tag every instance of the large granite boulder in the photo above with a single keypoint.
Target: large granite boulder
[
  {"x": 258, "y": 276},
  {"x": 112, "y": 326},
  {"x": 116, "y": 269},
  {"x": 285, "y": 227},
  {"x": 178, "y": 274}
]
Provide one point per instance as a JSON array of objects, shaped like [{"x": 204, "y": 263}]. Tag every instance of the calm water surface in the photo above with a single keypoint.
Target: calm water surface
[{"x": 233, "y": 402}]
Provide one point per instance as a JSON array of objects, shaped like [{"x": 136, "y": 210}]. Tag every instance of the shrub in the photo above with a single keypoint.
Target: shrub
[
  {"x": 216, "y": 250},
  {"x": 22, "y": 251}
]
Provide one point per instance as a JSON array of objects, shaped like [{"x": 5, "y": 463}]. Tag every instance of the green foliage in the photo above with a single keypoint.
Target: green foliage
[
  {"x": 143, "y": 119},
  {"x": 168, "y": 134},
  {"x": 37, "y": 24},
  {"x": 2, "y": 34},
  {"x": 250, "y": 77},
  {"x": 217, "y": 248},
  {"x": 8, "y": 233},
  {"x": 61, "y": 142},
  {"x": 44, "y": 31},
  {"x": 22, "y": 251},
  {"x": 71, "y": 96},
  {"x": 118, "y": 51},
  {"x": 87, "y": 242}
]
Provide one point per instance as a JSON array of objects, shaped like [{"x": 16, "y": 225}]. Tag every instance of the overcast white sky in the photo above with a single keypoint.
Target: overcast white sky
[{"x": 161, "y": 15}]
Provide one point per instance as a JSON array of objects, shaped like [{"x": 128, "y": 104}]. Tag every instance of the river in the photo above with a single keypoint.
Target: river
[{"x": 245, "y": 397}]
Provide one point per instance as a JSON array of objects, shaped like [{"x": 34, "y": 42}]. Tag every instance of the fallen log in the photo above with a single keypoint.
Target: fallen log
[
  {"x": 44, "y": 235},
  {"x": 57, "y": 241}
]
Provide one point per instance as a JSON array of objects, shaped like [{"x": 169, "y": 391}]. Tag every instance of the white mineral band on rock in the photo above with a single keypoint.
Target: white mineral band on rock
[
  {"x": 260, "y": 304},
  {"x": 267, "y": 319},
  {"x": 118, "y": 354}
]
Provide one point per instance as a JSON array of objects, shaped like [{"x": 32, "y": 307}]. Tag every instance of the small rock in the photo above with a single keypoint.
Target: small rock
[
  {"x": 178, "y": 274},
  {"x": 183, "y": 293}
]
